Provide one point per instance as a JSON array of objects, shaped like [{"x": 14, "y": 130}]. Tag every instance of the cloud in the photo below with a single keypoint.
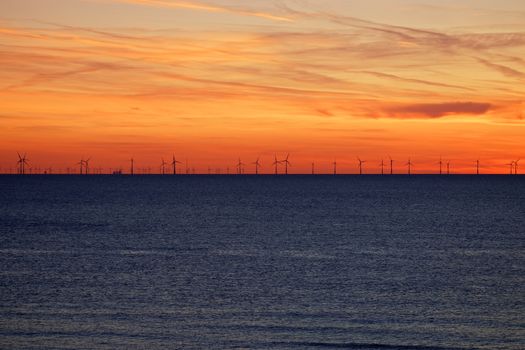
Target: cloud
[
  {"x": 416, "y": 36},
  {"x": 201, "y": 6},
  {"x": 507, "y": 71},
  {"x": 286, "y": 71},
  {"x": 438, "y": 110},
  {"x": 417, "y": 81}
]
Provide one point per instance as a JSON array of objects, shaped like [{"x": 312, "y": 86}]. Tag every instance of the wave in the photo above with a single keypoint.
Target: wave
[{"x": 365, "y": 346}]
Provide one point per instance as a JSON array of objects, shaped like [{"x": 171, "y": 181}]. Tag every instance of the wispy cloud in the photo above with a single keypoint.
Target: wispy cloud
[
  {"x": 507, "y": 71},
  {"x": 201, "y": 6},
  {"x": 416, "y": 81},
  {"x": 352, "y": 71}
]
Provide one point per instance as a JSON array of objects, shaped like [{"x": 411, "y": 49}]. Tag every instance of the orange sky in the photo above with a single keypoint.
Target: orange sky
[{"x": 212, "y": 81}]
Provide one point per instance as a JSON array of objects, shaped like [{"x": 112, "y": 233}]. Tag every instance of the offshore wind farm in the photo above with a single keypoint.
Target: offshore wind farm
[{"x": 278, "y": 167}]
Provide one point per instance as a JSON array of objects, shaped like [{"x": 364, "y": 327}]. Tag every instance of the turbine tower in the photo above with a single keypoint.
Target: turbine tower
[
  {"x": 361, "y": 165},
  {"x": 516, "y": 166},
  {"x": 313, "y": 168},
  {"x": 448, "y": 167},
  {"x": 174, "y": 163},
  {"x": 239, "y": 167},
  {"x": 511, "y": 164},
  {"x": 335, "y": 167},
  {"x": 409, "y": 165},
  {"x": 163, "y": 166},
  {"x": 86, "y": 167},
  {"x": 81, "y": 163},
  {"x": 391, "y": 165},
  {"x": 276, "y": 164},
  {"x": 132, "y": 168},
  {"x": 257, "y": 165},
  {"x": 440, "y": 166},
  {"x": 286, "y": 164},
  {"x": 382, "y": 167},
  {"x": 22, "y": 162},
  {"x": 477, "y": 167}
]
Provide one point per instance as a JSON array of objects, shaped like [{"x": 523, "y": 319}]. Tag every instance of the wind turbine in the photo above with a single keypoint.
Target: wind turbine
[
  {"x": 132, "y": 166},
  {"x": 86, "y": 162},
  {"x": 81, "y": 163},
  {"x": 409, "y": 164},
  {"x": 257, "y": 165},
  {"x": 516, "y": 166},
  {"x": 286, "y": 164},
  {"x": 19, "y": 164},
  {"x": 276, "y": 164},
  {"x": 361, "y": 165},
  {"x": 22, "y": 162},
  {"x": 477, "y": 167},
  {"x": 382, "y": 167},
  {"x": 391, "y": 165},
  {"x": 174, "y": 163},
  {"x": 313, "y": 168},
  {"x": 163, "y": 166},
  {"x": 511, "y": 164},
  {"x": 335, "y": 167},
  {"x": 440, "y": 166},
  {"x": 25, "y": 162},
  {"x": 239, "y": 167},
  {"x": 448, "y": 167}
]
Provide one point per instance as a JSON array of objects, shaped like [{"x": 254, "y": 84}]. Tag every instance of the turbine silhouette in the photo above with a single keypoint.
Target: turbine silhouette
[
  {"x": 276, "y": 164},
  {"x": 86, "y": 165},
  {"x": 240, "y": 167},
  {"x": 361, "y": 162},
  {"x": 257, "y": 165},
  {"x": 81, "y": 163},
  {"x": 22, "y": 162},
  {"x": 409, "y": 165},
  {"x": 286, "y": 164},
  {"x": 163, "y": 166},
  {"x": 174, "y": 163}
]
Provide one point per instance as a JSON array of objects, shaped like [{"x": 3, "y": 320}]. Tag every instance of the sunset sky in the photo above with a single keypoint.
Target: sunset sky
[{"x": 215, "y": 80}]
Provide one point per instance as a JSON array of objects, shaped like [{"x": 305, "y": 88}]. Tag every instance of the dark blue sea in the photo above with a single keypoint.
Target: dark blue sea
[{"x": 262, "y": 262}]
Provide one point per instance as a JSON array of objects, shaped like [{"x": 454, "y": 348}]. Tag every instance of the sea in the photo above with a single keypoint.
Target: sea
[{"x": 262, "y": 262}]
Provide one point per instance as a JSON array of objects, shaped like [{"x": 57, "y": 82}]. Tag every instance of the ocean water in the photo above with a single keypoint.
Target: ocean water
[{"x": 262, "y": 262}]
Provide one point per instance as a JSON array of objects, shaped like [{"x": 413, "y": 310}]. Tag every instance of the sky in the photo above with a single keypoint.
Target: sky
[{"x": 212, "y": 81}]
